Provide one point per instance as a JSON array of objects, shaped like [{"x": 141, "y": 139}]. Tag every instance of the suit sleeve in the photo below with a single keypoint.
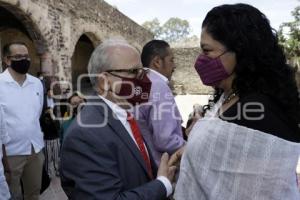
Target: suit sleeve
[
  {"x": 165, "y": 121},
  {"x": 92, "y": 172}
]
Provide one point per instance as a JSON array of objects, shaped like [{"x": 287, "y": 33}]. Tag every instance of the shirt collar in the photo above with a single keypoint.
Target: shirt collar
[
  {"x": 8, "y": 78},
  {"x": 117, "y": 110},
  {"x": 160, "y": 75}
]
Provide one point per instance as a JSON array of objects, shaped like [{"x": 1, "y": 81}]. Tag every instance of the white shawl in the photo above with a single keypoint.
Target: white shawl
[{"x": 225, "y": 161}]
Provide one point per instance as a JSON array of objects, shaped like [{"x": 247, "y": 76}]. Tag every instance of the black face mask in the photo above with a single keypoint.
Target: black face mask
[{"x": 20, "y": 66}]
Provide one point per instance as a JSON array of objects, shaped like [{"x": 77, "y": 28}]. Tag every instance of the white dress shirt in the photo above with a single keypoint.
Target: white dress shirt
[
  {"x": 4, "y": 191},
  {"x": 121, "y": 114},
  {"x": 22, "y": 106}
]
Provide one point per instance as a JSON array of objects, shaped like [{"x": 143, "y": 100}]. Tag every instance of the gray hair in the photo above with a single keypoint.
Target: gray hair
[{"x": 99, "y": 61}]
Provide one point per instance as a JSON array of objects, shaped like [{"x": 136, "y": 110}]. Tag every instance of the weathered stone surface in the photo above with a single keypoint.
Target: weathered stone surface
[
  {"x": 55, "y": 27},
  {"x": 185, "y": 80}
]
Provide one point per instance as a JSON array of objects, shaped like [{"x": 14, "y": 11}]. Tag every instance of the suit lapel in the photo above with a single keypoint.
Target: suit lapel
[
  {"x": 152, "y": 161},
  {"x": 120, "y": 130}
]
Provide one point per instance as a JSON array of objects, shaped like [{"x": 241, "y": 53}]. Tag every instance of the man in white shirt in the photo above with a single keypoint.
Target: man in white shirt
[
  {"x": 4, "y": 191},
  {"x": 104, "y": 155},
  {"x": 22, "y": 102}
]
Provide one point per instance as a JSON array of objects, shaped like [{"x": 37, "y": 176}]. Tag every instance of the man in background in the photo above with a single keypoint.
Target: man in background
[
  {"x": 160, "y": 120},
  {"x": 22, "y": 101}
]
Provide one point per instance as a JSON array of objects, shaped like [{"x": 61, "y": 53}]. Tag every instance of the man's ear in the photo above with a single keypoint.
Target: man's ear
[
  {"x": 103, "y": 81},
  {"x": 5, "y": 60},
  {"x": 156, "y": 62}
]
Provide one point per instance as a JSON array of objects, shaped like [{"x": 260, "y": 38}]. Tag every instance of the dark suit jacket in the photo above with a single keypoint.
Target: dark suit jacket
[{"x": 99, "y": 160}]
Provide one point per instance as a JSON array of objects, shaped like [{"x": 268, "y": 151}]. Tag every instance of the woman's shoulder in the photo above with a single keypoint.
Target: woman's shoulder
[
  {"x": 261, "y": 112},
  {"x": 257, "y": 98},
  {"x": 263, "y": 102}
]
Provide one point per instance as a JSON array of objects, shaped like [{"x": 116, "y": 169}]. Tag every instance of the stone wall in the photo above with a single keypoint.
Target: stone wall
[
  {"x": 185, "y": 80},
  {"x": 55, "y": 26}
]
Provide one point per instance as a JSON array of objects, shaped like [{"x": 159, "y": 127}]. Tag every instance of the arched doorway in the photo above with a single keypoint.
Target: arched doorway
[
  {"x": 17, "y": 26},
  {"x": 80, "y": 59}
]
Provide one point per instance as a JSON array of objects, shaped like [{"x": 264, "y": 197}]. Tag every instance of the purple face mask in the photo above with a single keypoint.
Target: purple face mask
[{"x": 211, "y": 70}]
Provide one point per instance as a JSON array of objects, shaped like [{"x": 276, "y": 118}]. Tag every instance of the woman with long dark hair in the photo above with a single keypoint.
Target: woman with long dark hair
[{"x": 246, "y": 147}]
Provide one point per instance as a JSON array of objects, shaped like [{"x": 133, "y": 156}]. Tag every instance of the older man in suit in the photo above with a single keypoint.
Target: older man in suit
[{"x": 104, "y": 156}]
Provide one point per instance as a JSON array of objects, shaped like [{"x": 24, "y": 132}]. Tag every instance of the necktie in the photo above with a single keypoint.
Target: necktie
[{"x": 140, "y": 142}]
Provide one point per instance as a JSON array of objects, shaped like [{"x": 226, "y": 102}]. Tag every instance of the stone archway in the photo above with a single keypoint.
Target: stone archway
[
  {"x": 17, "y": 25},
  {"x": 80, "y": 59}
]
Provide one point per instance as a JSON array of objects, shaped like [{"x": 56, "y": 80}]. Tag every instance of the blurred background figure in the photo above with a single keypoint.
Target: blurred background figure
[
  {"x": 50, "y": 128},
  {"x": 76, "y": 102}
]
